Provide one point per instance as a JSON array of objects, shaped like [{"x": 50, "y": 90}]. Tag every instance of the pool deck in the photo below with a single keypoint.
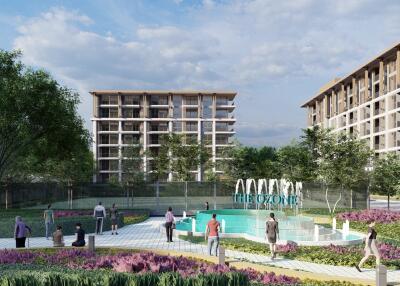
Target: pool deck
[{"x": 149, "y": 235}]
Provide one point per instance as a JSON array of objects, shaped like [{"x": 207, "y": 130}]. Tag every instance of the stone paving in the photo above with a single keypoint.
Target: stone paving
[{"x": 150, "y": 235}]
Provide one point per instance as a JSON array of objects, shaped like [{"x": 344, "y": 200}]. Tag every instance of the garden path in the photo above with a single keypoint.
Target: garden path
[{"x": 150, "y": 235}]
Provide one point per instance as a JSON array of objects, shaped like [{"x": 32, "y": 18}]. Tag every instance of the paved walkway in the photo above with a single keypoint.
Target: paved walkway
[{"x": 150, "y": 235}]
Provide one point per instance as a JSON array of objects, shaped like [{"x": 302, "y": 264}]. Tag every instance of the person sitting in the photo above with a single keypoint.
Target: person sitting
[
  {"x": 58, "y": 237},
  {"x": 79, "y": 236}
]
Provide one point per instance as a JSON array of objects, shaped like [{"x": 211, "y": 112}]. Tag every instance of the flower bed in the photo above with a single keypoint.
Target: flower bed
[
  {"x": 380, "y": 216},
  {"x": 63, "y": 263}
]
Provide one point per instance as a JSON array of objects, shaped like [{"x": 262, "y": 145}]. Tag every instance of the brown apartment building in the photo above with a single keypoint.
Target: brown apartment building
[
  {"x": 122, "y": 118},
  {"x": 366, "y": 102}
]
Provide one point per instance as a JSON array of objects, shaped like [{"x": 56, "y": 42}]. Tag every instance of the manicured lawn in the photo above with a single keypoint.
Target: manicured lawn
[{"x": 66, "y": 218}]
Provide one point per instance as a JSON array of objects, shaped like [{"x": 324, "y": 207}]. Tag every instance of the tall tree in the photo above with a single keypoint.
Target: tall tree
[
  {"x": 132, "y": 164},
  {"x": 386, "y": 176},
  {"x": 38, "y": 120}
]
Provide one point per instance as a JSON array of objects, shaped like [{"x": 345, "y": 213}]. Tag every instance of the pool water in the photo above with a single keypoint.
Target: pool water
[{"x": 252, "y": 223}]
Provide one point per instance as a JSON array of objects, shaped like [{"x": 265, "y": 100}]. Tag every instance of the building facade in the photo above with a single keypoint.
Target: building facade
[
  {"x": 365, "y": 103},
  {"x": 125, "y": 118}
]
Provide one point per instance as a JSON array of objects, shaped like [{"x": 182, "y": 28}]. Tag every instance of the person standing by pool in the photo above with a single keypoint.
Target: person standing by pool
[
  {"x": 212, "y": 231},
  {"x": 370, "y": 246},
  {"x": 207, "y": 206},
  {"x": 20, "y": 232},
  {"x": 114, "y": 219},
  {"x": 272, "y": 233},
  {"x": 79, "y": 236},
  {"x": 99, "y": 213},
  {"x": 48, "y": 216},
  {"x": 169, "y": 222}
]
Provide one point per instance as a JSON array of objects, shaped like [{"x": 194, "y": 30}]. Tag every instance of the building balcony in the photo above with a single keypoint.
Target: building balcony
[{"x": 379, "y": 129}]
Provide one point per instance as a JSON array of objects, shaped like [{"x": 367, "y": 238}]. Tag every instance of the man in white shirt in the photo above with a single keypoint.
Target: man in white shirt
[{"x": 99, "y": 213}]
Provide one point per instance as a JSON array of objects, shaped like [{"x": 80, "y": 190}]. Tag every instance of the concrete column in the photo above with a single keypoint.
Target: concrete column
[
  {"x": 355, "y": 92},
  {"x": 120, "y": 151},
  {"x": 398, "y": 69},
  {"x": 381, "y": 275},
  {"x": 334, "y": 109},
  {"x": 343, "y": 99},
  {"x": 366, "y": 93},
  {"x": 381, "y": 77},
  {"x": 94, "y": 147},
  {"x": 145, "y": 169}
]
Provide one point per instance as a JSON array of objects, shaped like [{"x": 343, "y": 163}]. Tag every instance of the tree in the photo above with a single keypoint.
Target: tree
[
  {"x": 296, "y": 163},
  {"x": 386, "y": 176},
  {"x": 132, "y": 164},
  {"x": 343, "y": 160},
  {"x": 180, "y": 156},
  {"x": 38, "y": 123}
]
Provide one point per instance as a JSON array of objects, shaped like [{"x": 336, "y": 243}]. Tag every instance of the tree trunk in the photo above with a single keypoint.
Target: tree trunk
[{"x": 388, "y": 201}]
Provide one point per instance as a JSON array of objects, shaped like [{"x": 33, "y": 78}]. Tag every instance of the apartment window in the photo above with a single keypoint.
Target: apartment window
[
  {"x": 154, "y": 139},
  {"x": 131, "y": 99},
  {"x": 108, "y": 138},
  {"x": 207, "y": 107},
  {"x": 207, "y": 139},
  {"x": 130, "y": 138},
  {"x": 191, "y": 100},
  {"x": 162, "y": 126},
  {"x": 130, "y": 126},
  {"x": 222, "y": 100},
  {"x": 109, "y": 112},
  {"x": 392, "y": 83},
  {"x": 108, "y": 99},
  {"x": 190, "y": 138},
  {"x": 191, "y": 126},
  {"x": 157, "y": 113},
  {"x": 221, "y": 126},
  {"x": 221, "y": 114},
  {"x": 106, "y": 152},
  {"x": 177, "y": 126},
  {"x": 159, "y": 99},
  {"x": 131, "y": 113},
  {"x": 177, "y": 101},
  {"x": 207, "y": 126},
  {"x": 191, "y": 113},
  {"x": 221, "y": 139},
  {"x": 220, "y": 152},
  {"x": 109, "y": 165},
  {"x": 108, "y": 126}
]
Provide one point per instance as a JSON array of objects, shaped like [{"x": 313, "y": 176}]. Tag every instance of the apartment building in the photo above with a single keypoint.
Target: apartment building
[
  {"x": 366, "y": 103},
  {"x": 124, "y": 118}
]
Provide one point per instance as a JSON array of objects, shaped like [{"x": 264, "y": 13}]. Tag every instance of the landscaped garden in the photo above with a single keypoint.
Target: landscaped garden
[
  {"x": 120, "y": 267},
  {"x": 66, "y": 218},
  {"x": 388, "y": 228}
]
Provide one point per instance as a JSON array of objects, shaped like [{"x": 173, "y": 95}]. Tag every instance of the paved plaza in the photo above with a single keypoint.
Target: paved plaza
[{"x": 150, "y": 235}]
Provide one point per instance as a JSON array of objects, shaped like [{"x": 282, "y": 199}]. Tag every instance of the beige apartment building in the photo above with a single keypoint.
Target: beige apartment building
[
  {"x": 123, "y": 118},
  {"x": 366, "y": 103}
]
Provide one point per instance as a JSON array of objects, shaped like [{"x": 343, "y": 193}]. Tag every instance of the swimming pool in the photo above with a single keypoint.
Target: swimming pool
[{"x": 250, "y": 224}]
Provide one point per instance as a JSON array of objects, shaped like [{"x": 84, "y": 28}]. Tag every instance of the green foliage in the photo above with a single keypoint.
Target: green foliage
[
  {"x": 132, "y": 164},
  {"x": 39, "y": 125},
  {"x": 53, "y": 276},
  {"x": 134, "y": 219},
  {"x": 179, "y": 156},
  {"x": 386, "y": 176}
]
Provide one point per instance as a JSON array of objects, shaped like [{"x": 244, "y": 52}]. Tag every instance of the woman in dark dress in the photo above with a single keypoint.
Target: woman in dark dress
[
  {"x": 370, "y": 247},
  {"x": 272, "y": 233}
]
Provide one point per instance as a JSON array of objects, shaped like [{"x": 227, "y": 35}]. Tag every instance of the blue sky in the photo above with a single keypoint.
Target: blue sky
[{"x": 275, "y": 54}]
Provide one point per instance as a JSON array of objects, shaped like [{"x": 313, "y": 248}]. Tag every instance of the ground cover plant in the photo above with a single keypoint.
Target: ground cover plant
[
  {"x": 120, "y": 267},
  {"x": 387, "y": 223},
  {"x": 66, "y": 218},
  {"x": 331, "y": 255}
]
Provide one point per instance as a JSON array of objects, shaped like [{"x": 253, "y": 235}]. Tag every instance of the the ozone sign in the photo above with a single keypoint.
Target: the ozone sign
[{"x": 272, "y": 199}]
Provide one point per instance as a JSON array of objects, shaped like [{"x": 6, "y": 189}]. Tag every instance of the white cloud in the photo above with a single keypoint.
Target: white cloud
[{"x": 260, "y": 48}]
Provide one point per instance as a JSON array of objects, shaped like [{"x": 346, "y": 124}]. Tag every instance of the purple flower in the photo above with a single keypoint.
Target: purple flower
[{"x": 381, "y": 216}]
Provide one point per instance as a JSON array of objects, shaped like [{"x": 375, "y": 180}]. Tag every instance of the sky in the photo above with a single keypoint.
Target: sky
[{"x": 274, "y": 54}]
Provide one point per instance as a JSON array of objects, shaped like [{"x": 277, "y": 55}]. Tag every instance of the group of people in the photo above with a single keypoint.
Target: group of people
[{"x": 22, "y": 231}]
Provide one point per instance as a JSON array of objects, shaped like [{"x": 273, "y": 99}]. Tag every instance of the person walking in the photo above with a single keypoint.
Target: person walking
[
  {"x": 99, "y": 214},
  {"x": 58, "y": 237},
  {"x": 212, "y": 234},
  {"x": 169, "y": 223},
  {"x": 48, "y": 216},
  {"x": 272, "y": 234},
  {"x": 114, "y": 219},
  {"x": 20, "y": 232},
  {"x": 370, "y": 246},
  {"x": 79, "y": 236}
]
